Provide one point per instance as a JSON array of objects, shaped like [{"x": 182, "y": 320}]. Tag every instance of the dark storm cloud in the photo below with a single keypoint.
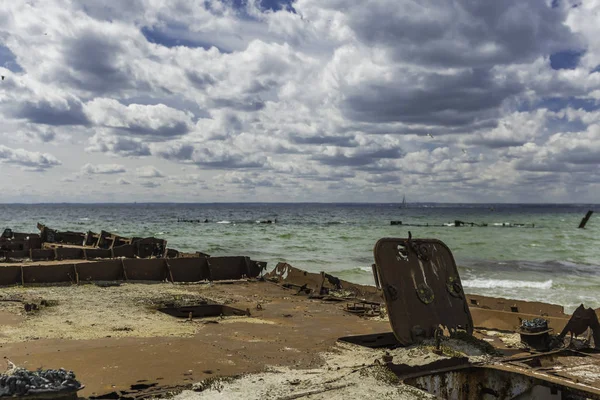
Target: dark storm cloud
[
  {"x": 165, "y": 131},
  {"x": 95, "y": 64},
  {"x": 177, "y": 152},
  {"x": 440, "y": 99},
  {"x": 357, "y": 159},
  {"x": 495, "y": 143},
  {"x": 44, "y": 112},
  {"x": 241, "y": 104},
  {"x": 226, "y": 162},
  {"x": 200, "y": 80},
  {"x": 341, "y": 141},
  {"x": 464, "y": 33},
  {"x": 103, "y": 11}
]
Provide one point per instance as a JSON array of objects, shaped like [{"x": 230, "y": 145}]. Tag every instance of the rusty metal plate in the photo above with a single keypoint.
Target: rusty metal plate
[
  {"x": 42, "y": 254},
  {"x": 188, "y": 269},
  {"x": 228, "y": 268},
  {"x": 57, "y": 273},
  {"x": 98, "y": 253},
  {"x": 10, "y": 275},
  {"x": 127, "y": 251},
  {"x": 17, "y": 255},
  {"x": 69, "y": 253},
  {"x": 110, "y": 270},
  {"x": 137, "y": 269},
  {"x": 421, "y": 287}
]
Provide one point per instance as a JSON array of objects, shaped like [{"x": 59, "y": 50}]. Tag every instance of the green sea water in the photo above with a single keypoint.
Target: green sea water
[{"x": 554, "y": 261}]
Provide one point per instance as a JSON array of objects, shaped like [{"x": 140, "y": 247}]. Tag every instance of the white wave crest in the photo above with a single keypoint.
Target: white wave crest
[
  {"x": 506, "y": 284},
  {"x": 224, "y": 222},
  {"x": 366, "y": 269}
]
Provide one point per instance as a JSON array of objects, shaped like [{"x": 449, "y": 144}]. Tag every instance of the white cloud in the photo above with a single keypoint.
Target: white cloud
[
  {"x": 151, "y": 121},
  {"x": 27, "y": 159},
  {"x": 149, "y": 171},
  {"x": 332, "y": 101},
  {"x": 102, "y": 169}
]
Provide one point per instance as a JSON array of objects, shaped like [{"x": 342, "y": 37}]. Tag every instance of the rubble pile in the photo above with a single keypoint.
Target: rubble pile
[{"x": 21, "y": 382}]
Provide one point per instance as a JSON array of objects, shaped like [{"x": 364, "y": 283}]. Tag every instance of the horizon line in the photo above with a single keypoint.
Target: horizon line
[{"x": 301, "y": 202}]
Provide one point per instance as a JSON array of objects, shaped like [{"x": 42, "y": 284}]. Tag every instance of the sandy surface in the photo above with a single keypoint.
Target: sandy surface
[
  {"x": 92, "y": 312},
  {"x": 347, "y": 372},
  {"x": 112, "y": 338}
]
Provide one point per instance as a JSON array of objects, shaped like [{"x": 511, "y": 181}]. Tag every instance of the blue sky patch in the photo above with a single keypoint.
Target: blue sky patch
[
  {"x": 559, "y": 103},
  {"x": 272, "y": 5},
  {"x": 163, "y": 38},
  {"x": 556, "y": 104},
  {"x": 276, "y": 5},
  {"x": 568, "y": 59},
  {"x": 8, "y": 60}
]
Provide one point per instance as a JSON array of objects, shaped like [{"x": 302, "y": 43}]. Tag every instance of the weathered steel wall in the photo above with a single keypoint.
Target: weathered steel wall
[{"x": 134, "y": 269}]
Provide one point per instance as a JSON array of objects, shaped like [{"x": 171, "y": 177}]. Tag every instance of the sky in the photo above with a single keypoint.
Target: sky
[{"x": 300, "y": 101}]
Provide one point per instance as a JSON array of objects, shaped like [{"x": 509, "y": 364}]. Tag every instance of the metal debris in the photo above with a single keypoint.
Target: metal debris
[
  {"x": 203, "y": 310},
  {"x": 364, "y": 309},
  {"x": 321, "y": 286},
  {"x": 421, "y": 287},
  {"x": 535, "y": 333},
  {"x": 112, "y": 258},
  {"x": 581, "y": 320},
  {"x": 21, "y": 382}
]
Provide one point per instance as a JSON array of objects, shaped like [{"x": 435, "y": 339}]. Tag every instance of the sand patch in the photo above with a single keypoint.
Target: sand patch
[{"x": 93, "y": 312}]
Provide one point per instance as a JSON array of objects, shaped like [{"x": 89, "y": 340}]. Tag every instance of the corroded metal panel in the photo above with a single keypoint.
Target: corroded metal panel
[
  {"x": 110, "y": 270},
  {"x": 10, "y": 275},
  {"x": 55, "y": 273},
  {"x": 98, "y": 253},
  {"x": 69, "y": 253},
  {"x": 42, "y": 254},
  {"x": 137, "y": 269},
  {"x": 422, "y": 288},
  {"x": 228, "y": 268},
  {"x": 127, "y": 251},
  {"x": 188, "y": 269}
]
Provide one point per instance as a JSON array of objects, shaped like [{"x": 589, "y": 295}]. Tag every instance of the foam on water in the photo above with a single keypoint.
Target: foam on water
[{"x": 506, "y": 284}]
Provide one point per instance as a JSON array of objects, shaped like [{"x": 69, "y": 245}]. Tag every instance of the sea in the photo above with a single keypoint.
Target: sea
[{"x": 525, "y": 251}]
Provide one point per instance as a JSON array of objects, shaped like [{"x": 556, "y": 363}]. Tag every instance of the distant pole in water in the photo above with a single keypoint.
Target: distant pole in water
[{"x": 585, "y": 219}]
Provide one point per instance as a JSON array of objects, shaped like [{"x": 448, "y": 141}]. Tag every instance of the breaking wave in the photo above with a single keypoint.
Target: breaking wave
[
  {"x": 224, "y": 222},
  {"x": 505, "y": 284}
]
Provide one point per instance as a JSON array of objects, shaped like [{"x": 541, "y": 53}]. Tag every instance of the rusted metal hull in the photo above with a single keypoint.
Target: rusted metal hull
[
  {"x": 556, "y": 375},
  {"x": 135, "y": 269}
]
